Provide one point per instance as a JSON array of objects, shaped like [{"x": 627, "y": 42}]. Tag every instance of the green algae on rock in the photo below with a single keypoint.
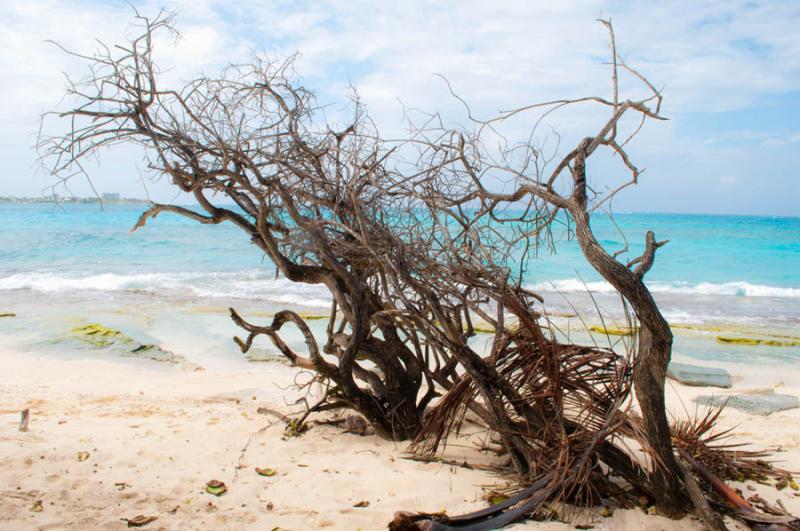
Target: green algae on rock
[
  {"x": 100, "y": 336},
  {"x": 757, "y": 341},
  {"x": 612, "y": 331}
]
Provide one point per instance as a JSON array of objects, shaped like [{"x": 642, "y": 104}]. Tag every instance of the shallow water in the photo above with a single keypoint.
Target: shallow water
[{"x": 171, "y": 282}]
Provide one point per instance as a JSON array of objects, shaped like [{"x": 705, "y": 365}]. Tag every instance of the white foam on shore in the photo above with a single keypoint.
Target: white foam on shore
[
  {"x": 737, "y": 289},
  {"x": 260, "y": 284},
  {"x": 256, "y": 285}
]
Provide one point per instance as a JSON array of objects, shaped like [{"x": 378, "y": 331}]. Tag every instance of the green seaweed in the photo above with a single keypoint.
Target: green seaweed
[
  {"x": 313, "y": 317},
  {"x": 103, "y": 337},
  {"x": 303, "y": 316},
  {"x": 100, "y": 336},
  {"x": 612, "y": 331},
  {"x": 783, "y": 337},
  {"x": 753, "y": 341}
]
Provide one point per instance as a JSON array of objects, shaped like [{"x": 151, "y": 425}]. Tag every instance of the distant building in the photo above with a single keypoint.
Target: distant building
[{"x": 111, "y": 197}]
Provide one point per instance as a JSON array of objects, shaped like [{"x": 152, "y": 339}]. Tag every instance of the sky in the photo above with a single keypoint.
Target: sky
[{"x": 729, "y": 72}]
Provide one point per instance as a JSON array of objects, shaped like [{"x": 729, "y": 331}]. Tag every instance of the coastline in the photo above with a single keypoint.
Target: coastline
[
  {"x": 157, "y": 432},
  {"x": 163, "y": 421}
]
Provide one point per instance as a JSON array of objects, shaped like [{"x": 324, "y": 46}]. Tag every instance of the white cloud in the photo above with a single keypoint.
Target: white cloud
[
  {"x": 709, "y": 55},
  {"x": 715, "y": 55}
]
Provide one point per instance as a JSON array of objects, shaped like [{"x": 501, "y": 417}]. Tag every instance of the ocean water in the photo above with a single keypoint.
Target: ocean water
[{"x": 739, "y": 274}]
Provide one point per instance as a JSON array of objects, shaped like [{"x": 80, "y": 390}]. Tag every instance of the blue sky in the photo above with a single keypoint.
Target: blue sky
[{"x": 730, "y": 72}]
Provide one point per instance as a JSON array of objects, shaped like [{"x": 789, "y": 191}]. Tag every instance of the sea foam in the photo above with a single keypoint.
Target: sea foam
[
  {"x": 257, "y": 285},
  {"x": 738, "y": 289}
]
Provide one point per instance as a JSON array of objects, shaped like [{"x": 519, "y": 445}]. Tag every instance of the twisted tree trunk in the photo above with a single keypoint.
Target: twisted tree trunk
[{"x": 653, "y": 354}]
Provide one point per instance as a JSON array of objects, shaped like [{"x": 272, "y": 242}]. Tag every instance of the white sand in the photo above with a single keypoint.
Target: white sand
[{"x": 156, "y": 434}]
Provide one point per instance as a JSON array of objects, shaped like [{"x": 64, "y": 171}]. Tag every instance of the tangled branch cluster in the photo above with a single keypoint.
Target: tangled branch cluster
[{"x": 412, "y": 255}]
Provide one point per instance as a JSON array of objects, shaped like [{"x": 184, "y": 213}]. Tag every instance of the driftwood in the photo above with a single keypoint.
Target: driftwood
[{"x": 24, "y": 419}]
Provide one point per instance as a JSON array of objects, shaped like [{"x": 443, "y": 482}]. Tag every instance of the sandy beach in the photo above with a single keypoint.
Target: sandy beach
[
  {"x": 552, "y": 246},
  {"x": 156, "y": 433}
]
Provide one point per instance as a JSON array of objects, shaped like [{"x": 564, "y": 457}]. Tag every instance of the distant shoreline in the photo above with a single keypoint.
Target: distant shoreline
[
  {"x": 139, "y": 201},
  {"x": 73, "y": 200}
]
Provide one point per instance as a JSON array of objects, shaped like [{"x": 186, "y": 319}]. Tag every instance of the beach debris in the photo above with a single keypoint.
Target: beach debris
[
  {"x": 216, "y": 487},
  {"x": 357, "y": 424},
  {"x": 759, "y": 341},
  {"x": 142, "y": 348},
  {"x": 140, "y": 521},
  {"x": 786, "y": 481},
  {"x": 266, "y": 472},
  {"x": 295, "y": 428},
  {"x": 361, "y": 504},
  {"x": 121, "y": 485},
  {"x": 410, "y": 521},
  {"x": 494, "y": 497},
  {"x": 764, "y": 404},
  {"x": 83, "y": 456},
  {"x": 705, "y": 442},
  {"x": 698, "y": 376},
  {"x": 37, "y": 506},
  {"x": 7, "y": 314},
  {"x": 25, "y": 417}
]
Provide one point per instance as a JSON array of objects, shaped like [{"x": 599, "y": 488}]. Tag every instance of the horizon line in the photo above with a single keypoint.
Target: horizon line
[{"x": 98, "y": 199}]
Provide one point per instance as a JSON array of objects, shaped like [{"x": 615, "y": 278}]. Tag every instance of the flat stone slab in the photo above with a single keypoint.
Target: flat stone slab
[
  {"x": 698, "y": 376},
  {"x": 753, "y": 404}
]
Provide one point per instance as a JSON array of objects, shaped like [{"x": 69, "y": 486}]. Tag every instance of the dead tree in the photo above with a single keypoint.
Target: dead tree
[
  {"x": 462, "y": 170},
  {"x": 312, "y": 199},
  {"x": 411, "y": 256}
]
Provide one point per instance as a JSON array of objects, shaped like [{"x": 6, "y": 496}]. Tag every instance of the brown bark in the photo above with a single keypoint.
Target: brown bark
[{"x": 654, "y": 348}]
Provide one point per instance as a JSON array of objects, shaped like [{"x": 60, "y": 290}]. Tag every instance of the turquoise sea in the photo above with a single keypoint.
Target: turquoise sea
[{"x": 735, "y": 273}]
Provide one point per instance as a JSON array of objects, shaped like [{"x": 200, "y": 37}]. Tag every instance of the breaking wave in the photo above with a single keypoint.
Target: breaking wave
[
  {"x": 257, "y": 285},
  {"x": 737, "y": 289}
]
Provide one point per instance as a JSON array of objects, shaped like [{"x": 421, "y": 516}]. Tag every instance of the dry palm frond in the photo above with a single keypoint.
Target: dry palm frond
[
  {"x": 571, "y": 401},
  {"x": 727, "y": 460},
  {"x": 445, "y": 418}
]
